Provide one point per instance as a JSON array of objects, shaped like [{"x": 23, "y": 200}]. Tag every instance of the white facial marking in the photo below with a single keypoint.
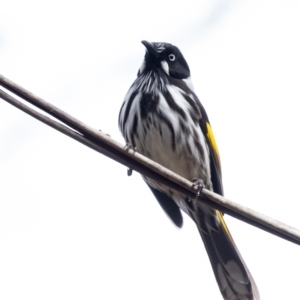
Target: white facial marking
[{"x": 165, "y": 66}]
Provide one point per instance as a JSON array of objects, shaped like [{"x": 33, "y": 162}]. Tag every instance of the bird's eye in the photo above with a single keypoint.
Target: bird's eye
[{"x": 171, "y": 57}]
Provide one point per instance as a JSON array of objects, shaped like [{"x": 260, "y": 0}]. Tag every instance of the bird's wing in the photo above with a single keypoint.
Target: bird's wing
[{"x": 215, "y": 163}]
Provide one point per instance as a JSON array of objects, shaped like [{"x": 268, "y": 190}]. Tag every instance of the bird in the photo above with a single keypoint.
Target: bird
[{"x": 162, "y": 118}]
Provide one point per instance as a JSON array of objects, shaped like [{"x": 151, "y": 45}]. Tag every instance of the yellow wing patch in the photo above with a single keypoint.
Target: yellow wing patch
[
  {"x": 212, "y": 140},
  {"x": 223, "y": 224}
]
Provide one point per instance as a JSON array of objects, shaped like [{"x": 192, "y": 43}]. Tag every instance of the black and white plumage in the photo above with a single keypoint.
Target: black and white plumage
[{"x": 163, "y": 118}]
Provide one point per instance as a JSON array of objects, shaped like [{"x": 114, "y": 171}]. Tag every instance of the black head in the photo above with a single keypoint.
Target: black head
[{"x": 165, "y": 57}]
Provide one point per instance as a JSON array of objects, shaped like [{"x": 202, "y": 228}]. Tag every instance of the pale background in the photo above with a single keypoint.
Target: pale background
[{"x": 73, "y": 225}]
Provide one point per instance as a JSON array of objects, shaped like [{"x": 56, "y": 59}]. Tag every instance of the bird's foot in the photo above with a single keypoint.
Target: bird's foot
[
  {"x": 129, "y": 146},
  {"x": 199, "y": 183}
]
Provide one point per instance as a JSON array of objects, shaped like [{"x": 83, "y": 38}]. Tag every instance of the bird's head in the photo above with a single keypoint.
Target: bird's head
[{"x": 166, "y": 57}]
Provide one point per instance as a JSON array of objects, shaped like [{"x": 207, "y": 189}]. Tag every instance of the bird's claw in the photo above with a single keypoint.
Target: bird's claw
[
  {"x": 129, "y": 146},
  {"x": 199, "y": 183}
]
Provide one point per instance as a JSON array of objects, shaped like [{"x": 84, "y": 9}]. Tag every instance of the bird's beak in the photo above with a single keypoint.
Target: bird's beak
[{"x": 150, "y": 49}]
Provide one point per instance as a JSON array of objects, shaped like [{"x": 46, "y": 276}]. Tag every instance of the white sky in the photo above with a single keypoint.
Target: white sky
[{"x": 73, "y": 225}]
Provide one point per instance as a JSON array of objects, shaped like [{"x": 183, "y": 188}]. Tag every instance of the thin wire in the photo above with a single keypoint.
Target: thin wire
[{"x": 104, "y": 144}]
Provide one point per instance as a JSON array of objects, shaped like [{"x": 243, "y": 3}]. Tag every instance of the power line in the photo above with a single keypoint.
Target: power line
[{"x": 127, "y": 156}]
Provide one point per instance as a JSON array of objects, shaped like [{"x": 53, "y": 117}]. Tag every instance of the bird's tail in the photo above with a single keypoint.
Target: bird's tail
[{"x": 234, "y": 279}]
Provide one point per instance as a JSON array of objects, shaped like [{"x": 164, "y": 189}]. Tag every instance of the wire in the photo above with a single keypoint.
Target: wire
[{"x": 127, "y": 156}]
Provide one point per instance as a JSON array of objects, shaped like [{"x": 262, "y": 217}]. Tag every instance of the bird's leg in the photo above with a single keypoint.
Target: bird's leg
[
  {"x": 210, "y": 218},
  {"x": 199, "y": 183},
  {"x": 127, "y": 147}
]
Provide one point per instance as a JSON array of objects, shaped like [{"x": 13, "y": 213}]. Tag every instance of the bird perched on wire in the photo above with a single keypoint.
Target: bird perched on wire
[{"x": 163, "y": 119}]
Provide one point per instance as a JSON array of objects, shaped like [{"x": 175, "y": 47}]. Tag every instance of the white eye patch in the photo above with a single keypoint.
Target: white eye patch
[
  {"x": 172, "y": 57},
  {"x": 165, "y": 66}
]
